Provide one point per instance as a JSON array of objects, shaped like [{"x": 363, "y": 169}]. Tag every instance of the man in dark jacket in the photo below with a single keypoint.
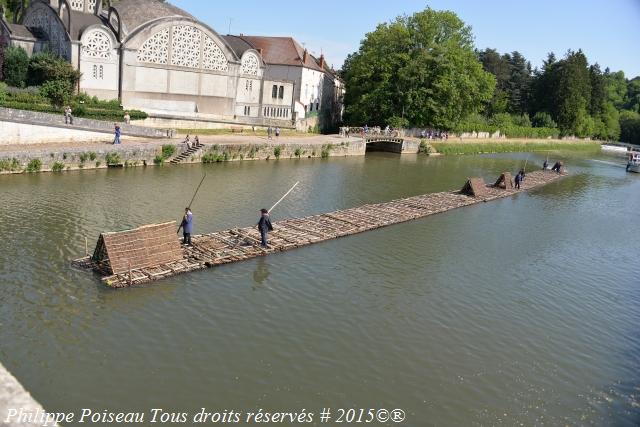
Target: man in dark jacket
[
  {"x": 264, "y": 226},
  {"x": 187, "y": 226}
]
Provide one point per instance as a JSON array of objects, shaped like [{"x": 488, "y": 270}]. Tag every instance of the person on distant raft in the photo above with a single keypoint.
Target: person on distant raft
[
  {"x": 264, "y": 226},
  {"x": 545, "y": 165},
  {"x": 518, "y": 178},
  {"x": 187, "y": 226},
  {"x": 522, "y": 174}
]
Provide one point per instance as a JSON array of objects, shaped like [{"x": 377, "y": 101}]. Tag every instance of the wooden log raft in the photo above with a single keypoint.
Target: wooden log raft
[{"x": 153, "y": 252}]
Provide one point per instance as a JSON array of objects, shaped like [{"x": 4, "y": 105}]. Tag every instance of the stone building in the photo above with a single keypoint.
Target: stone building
[{"x": 158, "y": 58}]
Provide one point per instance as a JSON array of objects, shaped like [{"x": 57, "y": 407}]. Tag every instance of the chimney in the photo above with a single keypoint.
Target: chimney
[
  {"x": 304, "y": 56},
  {"x": 322, "y": 61}
]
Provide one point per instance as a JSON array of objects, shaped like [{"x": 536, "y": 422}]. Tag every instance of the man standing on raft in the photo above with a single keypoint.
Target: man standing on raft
[
  {"x": 187, "y": 226},
  {"x": 264, "y": 226}
]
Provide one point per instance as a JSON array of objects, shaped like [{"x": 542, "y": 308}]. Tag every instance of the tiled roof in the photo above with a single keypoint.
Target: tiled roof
[
  {"x": 18, "y": 30},
  {"x": 281, "y": 51},
  {"x": 237, "y": 44}
]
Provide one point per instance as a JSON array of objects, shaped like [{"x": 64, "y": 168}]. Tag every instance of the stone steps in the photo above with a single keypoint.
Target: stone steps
[{"x": 185, "y": 154}]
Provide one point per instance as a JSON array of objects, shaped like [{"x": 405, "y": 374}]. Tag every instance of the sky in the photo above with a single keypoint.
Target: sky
[{"x": 608, "y": 32}]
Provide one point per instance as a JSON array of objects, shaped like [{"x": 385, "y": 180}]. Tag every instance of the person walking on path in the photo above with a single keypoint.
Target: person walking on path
[
  {"x": 117, "y": 132},
  {"x": 269, "y": 132},
  {"x": 127, "y": 118},
  {"x": 264, "y": 226},
  {"x": 187, "y": 226},
  {"x": 277, "y": 132},
  {"x": 68, "y": 115}
]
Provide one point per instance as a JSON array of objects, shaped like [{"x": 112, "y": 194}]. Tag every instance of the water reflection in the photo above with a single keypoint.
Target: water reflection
[{"x": 261, "y": 272}]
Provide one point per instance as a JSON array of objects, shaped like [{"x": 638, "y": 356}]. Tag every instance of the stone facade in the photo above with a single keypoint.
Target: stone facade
[{"x": 158, "y": 58}]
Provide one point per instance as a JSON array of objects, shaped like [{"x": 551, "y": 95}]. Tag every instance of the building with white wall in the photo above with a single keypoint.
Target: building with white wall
[{"x": 158, "y": 58}]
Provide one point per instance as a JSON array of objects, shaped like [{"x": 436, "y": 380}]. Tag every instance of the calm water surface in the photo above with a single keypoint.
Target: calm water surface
[{"x": 520, "y": 311}]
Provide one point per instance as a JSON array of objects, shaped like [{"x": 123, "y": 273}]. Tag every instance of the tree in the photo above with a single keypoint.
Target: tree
[
  {"x": 633, "y": 95},
  {"x": 573, "y": 95},
  {"x": 497, "y": 65},
  {"x": 15, "y": 65},
  {"x": 421, "y": 68},
  {"x": 630, "y": 127},
  {"x": 57, "y": 91},
  {"x": 519, "y": 84},
  {"x": 543, "y": 120},
  {"x": 46, "y": 66}
]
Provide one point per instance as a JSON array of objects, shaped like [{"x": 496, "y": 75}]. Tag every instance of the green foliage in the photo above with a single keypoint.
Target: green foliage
[
  {"x": 424, "y": 147},
  {"x": 297, "y": 152},
  {"x": 46, "y": 67},
  {"x": 630, "y": 127},
  {"x": 92, "y": 156},
  {"x": 277, "y": 151},
  {"x": 9, "y": 165},
  {"x": 3, "y": 92},
  {"x": 15, "y": 66},
  {"x": 34, "y": 165},
  {"x": 168, "y": 150},
  {"x": 326, "y": 150},
  {"x": 158, "y": 160},
  {"x": 113, "y": 158},
  {"x": 58, "y": 92},
  {"x": 422, "y": 64},
  {"x": 98, "y": 163},
  {"x": 543, "y": 119},
  {"x": 57, "y": 167},
  {"x": 507, "y": 147},
  {"x": 84, "y": 157}
]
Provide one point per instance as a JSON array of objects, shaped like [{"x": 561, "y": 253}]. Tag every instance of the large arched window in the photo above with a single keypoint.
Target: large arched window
[
  {"x": 97, "y": 44},
  {"x": 250, "y": 64},
  {"x": 190, "y": 48}
]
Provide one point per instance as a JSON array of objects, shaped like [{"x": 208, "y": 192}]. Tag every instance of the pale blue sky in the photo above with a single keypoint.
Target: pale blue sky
[{"x": 607, "y": 31}]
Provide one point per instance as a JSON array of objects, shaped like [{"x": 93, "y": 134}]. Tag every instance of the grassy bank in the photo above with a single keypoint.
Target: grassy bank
[{"x": 512, "y": 146}]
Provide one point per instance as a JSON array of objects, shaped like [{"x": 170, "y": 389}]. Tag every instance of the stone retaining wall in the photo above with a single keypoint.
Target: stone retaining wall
[
  {"x": 130, "y": 155},
  {"x": 14, "y": 397},
  {"x": 29, "y": 127}
]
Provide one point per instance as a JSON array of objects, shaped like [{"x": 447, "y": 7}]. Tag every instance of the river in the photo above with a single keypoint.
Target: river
[{"x": 525, "y": 310}]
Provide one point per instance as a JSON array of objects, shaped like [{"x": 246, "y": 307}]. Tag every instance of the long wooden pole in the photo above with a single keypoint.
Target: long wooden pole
[
  {"x": 197, "y": 189},
  {"x": 285, "y": 195},
  {"x": 193, "y": 198}
]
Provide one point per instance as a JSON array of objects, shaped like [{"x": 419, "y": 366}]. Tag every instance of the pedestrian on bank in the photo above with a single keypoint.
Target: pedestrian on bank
[
  {"x": 117, "y": 133},
  {"x": 187, "y": 226},
  {"x": 127, "y": 118},
  {"x": 68, "y": 115},
  {"x": 264, "y": 226},
  {"x": 277, "y": 132},
  {"x": 269, "y": 132}
]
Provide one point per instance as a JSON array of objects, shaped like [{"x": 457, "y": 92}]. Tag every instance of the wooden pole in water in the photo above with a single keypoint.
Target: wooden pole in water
[
  {"x": 86, "y": 247},
  {"x": 285, "y": 195}
]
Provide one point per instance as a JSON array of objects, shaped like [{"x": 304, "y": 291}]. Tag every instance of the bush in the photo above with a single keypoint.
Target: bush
[
  {"x": 3, "y": 92},
  {"x": 57, "y": 91},
  {"x": 501, "y": 120},
  {"x": 326, "y": 149},
  {"x": 298, "y": 152},
  {"x": 57, "y": 167},
  {"x": 168, "y": 150},
  {"x": 158, "y": 160},
  {"x": 45, "y": 67},
  {"x": 34, "y": 165},
  {"x": 113, "y": 159},
  {"x": 9, "y": 164},
  {"x": 522, "y": 121},
  {"x": 277, "y": 151},
  {"x": 15, "y": 66},
  {"x": 543, "y": 119}
]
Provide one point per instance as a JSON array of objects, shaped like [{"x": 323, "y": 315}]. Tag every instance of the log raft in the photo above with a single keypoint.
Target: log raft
[{"x": 153, "y": 252}]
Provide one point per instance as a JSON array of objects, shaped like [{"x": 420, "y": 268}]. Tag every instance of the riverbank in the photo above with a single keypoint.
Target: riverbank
[
  {"x": 61, "y": 156},
  {"x": 476, "y": 146}
]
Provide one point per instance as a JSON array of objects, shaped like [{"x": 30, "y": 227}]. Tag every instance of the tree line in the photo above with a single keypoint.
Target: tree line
[{"x": 422, "y": 70}]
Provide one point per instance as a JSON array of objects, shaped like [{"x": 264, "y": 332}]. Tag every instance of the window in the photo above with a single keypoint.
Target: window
[
  {"x": 274, "y": 91},
  {"x": 311, "y": 107},
  {"x": 101, "y": 73},
  {"x": 317, "y": 106},
  {"x": 281, "y": 93},
  {"x": 95, "y": 72},
  {"x": 247, "y": 110}
]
